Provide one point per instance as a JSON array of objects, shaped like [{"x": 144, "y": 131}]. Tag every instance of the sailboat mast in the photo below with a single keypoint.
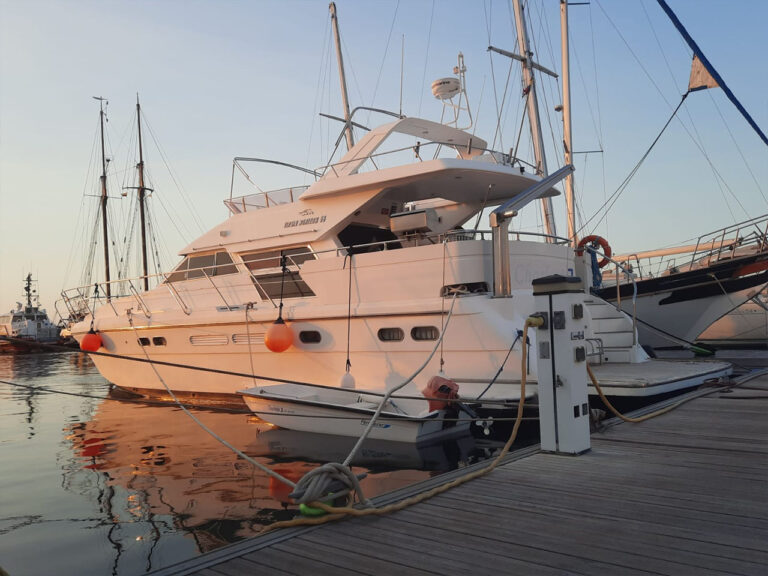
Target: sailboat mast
[
  {"x": 142, "y": 195},
  {"x": 533, "y": 114},
  {"x": 342, "y": 77},
  {"x": 566, "y": 75},
  {"x": 104, "y": 223}
]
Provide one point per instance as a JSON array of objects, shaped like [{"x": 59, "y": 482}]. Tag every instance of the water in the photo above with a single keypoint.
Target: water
[{"x": 90, "y": 483}]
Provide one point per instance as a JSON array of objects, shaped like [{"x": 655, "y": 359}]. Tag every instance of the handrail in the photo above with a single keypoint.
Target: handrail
[
  {"x": 78, "y": 302},
  {"x": 142, "y": 305},
  {"x": 629, "y": 274},
  {"x": 217, "y": 289},
  {"x": 176, "y": 296}
]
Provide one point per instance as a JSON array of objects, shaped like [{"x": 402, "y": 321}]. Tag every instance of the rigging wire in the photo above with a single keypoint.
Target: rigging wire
[
  {"x": 383, "y": 59},
  {"x": 426, "y": 57},
  {"x": 617, "y": 193},
  {"x": 719, "y": 178},
  {"x": 738, "y": 148},
  {"x": 316, "y": 106},
  {"x": 184, "y": 196},
  {"x": 699, "y": 141}
]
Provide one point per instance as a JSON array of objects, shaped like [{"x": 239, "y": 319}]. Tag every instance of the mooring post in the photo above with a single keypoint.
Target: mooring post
[{"x": 562, "y": 365}]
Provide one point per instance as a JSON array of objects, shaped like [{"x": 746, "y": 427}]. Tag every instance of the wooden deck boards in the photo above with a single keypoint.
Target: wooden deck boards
[{"x": 684, "y": 493}]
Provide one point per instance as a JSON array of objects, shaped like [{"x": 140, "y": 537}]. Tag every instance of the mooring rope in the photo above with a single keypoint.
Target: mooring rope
[
  {"x": 197, "y": 421},
  {"x": 336, "y": 513},
  {"x": 407, "y": 381}
]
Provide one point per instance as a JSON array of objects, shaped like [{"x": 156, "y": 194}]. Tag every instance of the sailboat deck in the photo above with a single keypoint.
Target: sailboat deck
[{"x": 683, "y": 493}]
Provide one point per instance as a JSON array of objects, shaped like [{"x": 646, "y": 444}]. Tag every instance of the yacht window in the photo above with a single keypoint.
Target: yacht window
[
  {"x": 180, "y": 272},
  {"x": 200, "y": 264},
  {"x": 216, "y": 264},
  {"x": 269, "y": 286},
  {"x": 310, "y": 336},
  {"x": 467, "y": 287},
  {"x": 224, "y": 264},
  {"x": 263, "y": 260},
  {"x": 159, "y": 341},
  {"x": 367, "y": 239},
  {"x": 391, "y": 334},
  {"x": 143, "y": 341},
  {"x": 425, "y": 333}
]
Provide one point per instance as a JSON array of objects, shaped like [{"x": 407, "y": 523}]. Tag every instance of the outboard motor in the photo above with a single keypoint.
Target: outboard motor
[{"x": 440, "y": 391}]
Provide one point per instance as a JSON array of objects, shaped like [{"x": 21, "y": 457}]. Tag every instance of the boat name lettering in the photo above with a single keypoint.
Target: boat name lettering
[
  {"x": 364, "y": 422},
  {"x": 280, "y": 409},
  {"x": 304, "y": 221}
]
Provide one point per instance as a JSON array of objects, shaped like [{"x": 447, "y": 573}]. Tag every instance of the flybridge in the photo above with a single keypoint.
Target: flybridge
[{"x": 260, "y": 200}]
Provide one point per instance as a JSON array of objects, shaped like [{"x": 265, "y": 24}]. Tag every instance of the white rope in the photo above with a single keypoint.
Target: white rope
[
  {"x": 234, "y": 449},
  {"x": 391, "y": 391}
]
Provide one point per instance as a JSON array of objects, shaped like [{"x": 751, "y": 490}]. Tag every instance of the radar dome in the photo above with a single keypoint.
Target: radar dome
[{"x": 446, "y": 88}]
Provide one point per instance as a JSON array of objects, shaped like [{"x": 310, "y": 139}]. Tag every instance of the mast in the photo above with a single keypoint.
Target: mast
[
  {"x": 533, "y": 114},
  {"x": 28, "y": 290},
  {"x": 566, "y": 72},
  {"x": 142, "y": 194},
  {"x": 342, "y": 77},
  {"x": 105, "y": 234}
]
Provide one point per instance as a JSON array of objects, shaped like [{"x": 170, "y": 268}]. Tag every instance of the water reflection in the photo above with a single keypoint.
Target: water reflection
[
  {"x": 157, "y": 467},
  {"x": 139, "y": 486}
]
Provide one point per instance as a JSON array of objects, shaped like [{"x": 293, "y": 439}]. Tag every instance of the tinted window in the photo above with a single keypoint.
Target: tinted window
[
  {"x": 425, "y": 333},
  {"x": 310, "y": 336},
  {"x": 391, "y": 334}
]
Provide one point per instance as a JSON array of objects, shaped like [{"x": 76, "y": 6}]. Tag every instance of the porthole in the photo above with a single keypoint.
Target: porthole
[
  {"x": 310, "y": 336},
  {"x": 159, "y": 341},
  {"x": 391, "y": 334},
  {"x": 425, "y": 333},
  {"x": 143, "y": 341}
]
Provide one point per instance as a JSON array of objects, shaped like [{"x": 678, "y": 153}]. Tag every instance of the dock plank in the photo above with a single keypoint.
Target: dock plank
[{"x": 684, "y": 493}]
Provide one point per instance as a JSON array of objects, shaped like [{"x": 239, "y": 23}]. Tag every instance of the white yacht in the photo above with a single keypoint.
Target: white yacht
[
  {"x": 373, "y": 258},
  {"x": 374, "y": 275}
]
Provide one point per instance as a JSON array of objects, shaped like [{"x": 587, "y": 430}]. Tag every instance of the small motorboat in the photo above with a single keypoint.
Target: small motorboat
[{"x": 348, "y": 412}]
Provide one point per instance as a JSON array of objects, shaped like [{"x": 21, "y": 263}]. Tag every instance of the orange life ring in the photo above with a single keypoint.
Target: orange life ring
[{"x": 592, "y": 239}]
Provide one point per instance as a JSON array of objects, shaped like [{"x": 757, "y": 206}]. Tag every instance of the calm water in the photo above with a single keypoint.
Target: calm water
[{"x": 92, "y": 484}]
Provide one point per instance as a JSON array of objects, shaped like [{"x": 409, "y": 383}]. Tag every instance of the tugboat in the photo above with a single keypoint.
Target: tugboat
[{"x": 23, "y": 328}]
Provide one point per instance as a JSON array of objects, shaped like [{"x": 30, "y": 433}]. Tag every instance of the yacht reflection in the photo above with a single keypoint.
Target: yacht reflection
[{"x": 155, "y": 472}]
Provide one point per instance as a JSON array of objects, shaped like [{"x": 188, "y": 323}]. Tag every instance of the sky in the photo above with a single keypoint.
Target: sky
[{"x": 224, "y": 78}]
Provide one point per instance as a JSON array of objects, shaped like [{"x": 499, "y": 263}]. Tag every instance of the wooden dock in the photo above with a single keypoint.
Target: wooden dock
[{"x": 684, "y": 493}]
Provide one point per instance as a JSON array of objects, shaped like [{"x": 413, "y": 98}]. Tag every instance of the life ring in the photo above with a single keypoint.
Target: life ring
[{"x": 592, "y": 239}]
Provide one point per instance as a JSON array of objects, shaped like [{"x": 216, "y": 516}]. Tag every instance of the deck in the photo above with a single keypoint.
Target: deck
[{"x": 684, "y": 493}]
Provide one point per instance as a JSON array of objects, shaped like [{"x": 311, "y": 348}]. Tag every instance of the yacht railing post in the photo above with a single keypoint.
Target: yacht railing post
[
  {"x": 176, "y": 296},
  {"x": 217, "y": 289},
  {"x": 142, "y": 305}
]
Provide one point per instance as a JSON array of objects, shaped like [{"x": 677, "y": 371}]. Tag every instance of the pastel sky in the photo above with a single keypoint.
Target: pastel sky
[{"x": 225, "y": 78}]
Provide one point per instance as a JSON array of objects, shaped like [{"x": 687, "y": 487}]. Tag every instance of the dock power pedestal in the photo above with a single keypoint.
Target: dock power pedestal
[{"x": 562, "y": 364}]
